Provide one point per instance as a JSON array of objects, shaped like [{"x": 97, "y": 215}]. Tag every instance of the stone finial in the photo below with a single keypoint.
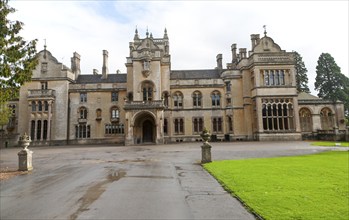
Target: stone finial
[
  {"x": 265, "y": 30},
  {"x": 165, "y": 34},
  {"x": 136, "y": 37}
]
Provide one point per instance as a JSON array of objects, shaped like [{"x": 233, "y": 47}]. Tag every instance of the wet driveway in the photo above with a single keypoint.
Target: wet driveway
[{"x": 138, "y": 182}]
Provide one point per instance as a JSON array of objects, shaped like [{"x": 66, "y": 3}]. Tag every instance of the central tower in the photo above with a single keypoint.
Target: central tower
[{"x": 148, "y": 83}]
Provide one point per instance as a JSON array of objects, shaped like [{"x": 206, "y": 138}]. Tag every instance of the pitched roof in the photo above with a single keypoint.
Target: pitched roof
[
  {"x": 307, "y": 96},
  {"x": 112, "y": 78},
  {"x": 195, "y": 74}
]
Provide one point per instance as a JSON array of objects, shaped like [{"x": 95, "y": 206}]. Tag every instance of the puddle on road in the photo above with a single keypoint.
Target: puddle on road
[{"x": 95, "y": 191}]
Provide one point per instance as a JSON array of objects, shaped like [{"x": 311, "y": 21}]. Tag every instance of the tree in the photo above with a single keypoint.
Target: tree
[
  {"x": 330, "y": 82},
  {"x": 301, "y": 74},
  {"x": 17, "y": 57}
]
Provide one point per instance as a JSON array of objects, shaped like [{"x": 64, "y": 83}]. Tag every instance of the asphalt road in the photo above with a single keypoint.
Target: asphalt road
[{"x": 138, "y": 182}]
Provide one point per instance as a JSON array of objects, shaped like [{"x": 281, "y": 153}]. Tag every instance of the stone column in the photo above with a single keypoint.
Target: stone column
[
  {"x": 25, "y": 155},
  {"x": 49, "y": 122}
]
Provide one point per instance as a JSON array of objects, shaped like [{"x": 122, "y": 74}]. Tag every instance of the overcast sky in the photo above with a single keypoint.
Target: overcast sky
[{"x": 198, "y": 30}]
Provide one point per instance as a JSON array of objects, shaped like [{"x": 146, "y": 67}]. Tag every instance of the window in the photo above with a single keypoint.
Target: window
[
  {"x": 179, "y": 125},
  {"x": 32, "y": 129},
  {"x": 98, "y": 113},
  {"x": 230, "y": 123},
  {"x": 82, "y": 131},
  {"x": 274, "y": 77},
  {"x": 33, "y": 106},
  {"x": 277, "y": 114},
  {"x": 198, "y": 124},
  {"x": 45, "y": 130},
  {"x": 217, "y": 124},
  {"x": 39, "y": 106},
  {"x": 114, "y": 113},
  {"x": 114, "y": 96},
  {"x": 147, "y": 89},
  {"x": 83, "y": 113},
  {"x": 178, "y": 100},
  {"x": 165, "y": 126},
  {"x": 43, "y": 85},
  {"x": 197, "y": 97},
  {"x": 44, "y": 67},
  {"x": 305, "y": 119},
  {"x": 326, "y": 118},
  {"x": 38, "y": 130},
  {"x": 45, "y": 106},
  {"x": 216, "y": 99},
  {"x": 114, "y": 128},
  {"x": 228, "y": 86},
  {"x": 83, "y": 97}
]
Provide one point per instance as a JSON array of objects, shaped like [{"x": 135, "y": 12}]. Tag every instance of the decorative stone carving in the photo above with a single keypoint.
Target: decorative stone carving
[{"x": 206, "y": 147}]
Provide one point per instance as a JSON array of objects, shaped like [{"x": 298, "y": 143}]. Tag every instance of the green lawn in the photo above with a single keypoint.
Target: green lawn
[
  {"x": 300, "y": 187},
  {"x": 330, "y": 144}
]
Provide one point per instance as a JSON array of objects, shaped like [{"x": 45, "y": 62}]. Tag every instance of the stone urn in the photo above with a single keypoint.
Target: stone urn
[
  {"x": 24, "y": 141},
  {"x": 25, "y": 155}
]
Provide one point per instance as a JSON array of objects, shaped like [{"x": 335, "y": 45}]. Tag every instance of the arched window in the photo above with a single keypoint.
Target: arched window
[
  {"x": 197, "y": 97},
  {"x": 277, "y": 114},
  {"x": 178, "y": 100},
  {"x": 45, "y": 106},
  {"x": 147, "y": 90},
  {"x": 305, "y": 119},
  {"x": 114, "y": 113},
  {"x": 83, "y": 113},
  {"x": 33, "y": 106},
  {"x": 39, "y": 106},
  {"x": 326, "y": 117},
  {"x": 216, "y": 99}
]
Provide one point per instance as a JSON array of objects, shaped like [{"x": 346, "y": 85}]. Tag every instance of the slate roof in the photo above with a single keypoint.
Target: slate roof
[
  {"x": 195, "y": 74},
  {"x": 112, "y": 78}
]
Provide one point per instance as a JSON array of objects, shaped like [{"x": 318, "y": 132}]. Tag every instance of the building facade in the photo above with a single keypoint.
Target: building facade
[{"x": 253, "y": 98}]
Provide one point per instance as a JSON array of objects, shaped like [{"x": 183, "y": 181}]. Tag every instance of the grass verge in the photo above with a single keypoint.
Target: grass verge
[
  {"x": 330, "y": 144},
  {"x": 300, "y": 187}
]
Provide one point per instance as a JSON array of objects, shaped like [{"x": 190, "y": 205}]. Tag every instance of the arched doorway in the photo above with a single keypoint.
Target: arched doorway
[
  {"x": 148, "y": 128},
  {"x": 144, "y": 128}
]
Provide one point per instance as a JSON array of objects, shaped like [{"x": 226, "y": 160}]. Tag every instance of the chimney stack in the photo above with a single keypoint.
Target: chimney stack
[
  {"x": 242, "y": 52},
  {"x": 219, "y": 61},
  {"x": 75, "y": 64},
  {"x": 254, "y": 40},
  {"x": 105, "y": 65},
  {"x": 233, "y": 50}
]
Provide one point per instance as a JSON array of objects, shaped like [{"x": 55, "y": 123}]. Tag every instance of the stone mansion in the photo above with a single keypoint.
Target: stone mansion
[{"x": 253, "y": 97}]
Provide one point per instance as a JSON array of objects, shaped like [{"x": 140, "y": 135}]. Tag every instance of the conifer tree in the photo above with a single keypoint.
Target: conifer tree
[
  {"x": 301, "y": 74},
  {"x": 330, "y": 82}
]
